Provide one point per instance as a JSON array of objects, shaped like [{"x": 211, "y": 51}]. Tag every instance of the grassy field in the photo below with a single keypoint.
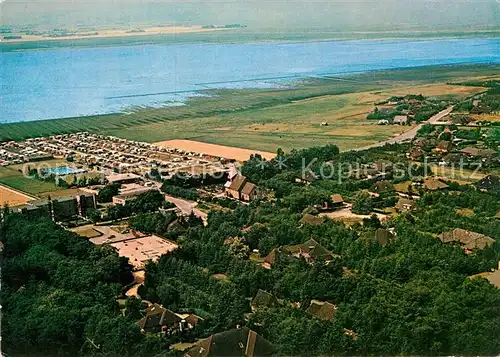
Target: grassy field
[
  {"x": 267, "y": 119},
  {"x": 13, "y": 176}
]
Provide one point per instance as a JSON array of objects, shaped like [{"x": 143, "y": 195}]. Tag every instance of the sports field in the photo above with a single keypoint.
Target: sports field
[{"x": 11, "y": 197}]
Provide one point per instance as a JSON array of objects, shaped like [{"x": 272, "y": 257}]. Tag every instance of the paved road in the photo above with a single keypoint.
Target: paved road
[
  {"x": 187, "y": 206},
  {"x": 410, "y": 134}
]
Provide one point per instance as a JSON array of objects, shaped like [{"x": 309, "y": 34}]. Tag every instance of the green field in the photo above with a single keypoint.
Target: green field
[
  {"x": 267, "y": 119},
  {"x": 13, "y": 176}
]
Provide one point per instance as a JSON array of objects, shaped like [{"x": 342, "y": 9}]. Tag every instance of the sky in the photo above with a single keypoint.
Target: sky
[{"x": 337, "y": 15}]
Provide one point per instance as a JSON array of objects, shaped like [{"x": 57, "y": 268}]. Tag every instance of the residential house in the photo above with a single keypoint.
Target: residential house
[
  {"x": 310, "y": 250},
  {"x": 160, "y": 319},
  {"x": 400, "y": 119},
  {"x": 404, "y": 204},
  {"x": 241, "y": 342},
  {"x": 493, "y": 276},
  {"x": 306, "y": 177},
  {"x": 472, "y": 152},
  {"x": 312, "y": 220},
  {"x": 468, "y": 240},
  {"x": 263, "y": 299},
  {"x": 322, "y": 310},
  {"x": 450, "y": 159},
  {"x": 490, "y": 183},
  {"x": 433, "y": 184},
  {"x": 337, "y": 201},
  {"x": 382, "y": 187},
  {"x": 249, "y": 192},
  {"x": 415, "y": 153},
  {"x": 444, "y": 147}
]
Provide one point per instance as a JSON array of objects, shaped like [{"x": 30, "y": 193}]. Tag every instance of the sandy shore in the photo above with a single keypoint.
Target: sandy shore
[
  {"x": 227, "y": 152},
  {"x": 110, "y": 33}
]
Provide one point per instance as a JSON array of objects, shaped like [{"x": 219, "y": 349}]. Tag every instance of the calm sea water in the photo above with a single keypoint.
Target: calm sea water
[{"x": 65, "y": 83}]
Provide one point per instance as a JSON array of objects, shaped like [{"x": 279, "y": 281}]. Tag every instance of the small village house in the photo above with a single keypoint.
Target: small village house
[
  {"x": 240, "y": 341},
  {"x": 322, "y": 310},
  {"x": 400, "y": 120},
  {"x": 468, "y": 240}
]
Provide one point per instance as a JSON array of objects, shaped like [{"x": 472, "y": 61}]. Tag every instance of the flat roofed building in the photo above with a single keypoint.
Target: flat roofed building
[
  {"x": 123, "y": 178},
  {"x": 141, "y": 250}
]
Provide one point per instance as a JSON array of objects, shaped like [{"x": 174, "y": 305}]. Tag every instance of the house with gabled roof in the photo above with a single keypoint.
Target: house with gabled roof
[
  {"x": 490, "y": 183},
  {"x": 310, "y": 250},
  {"x": 263, "y": 299},
  {"x": 322, "y": 310},
  {"x": 312, "y": 220},
  {"x": 240, "y": 341},
  {"x": 158, "y": 319},
  {"x": 238, "y": 187},
  {"x": 383, "y": 187},
  {"x": 382, "y": 236},
  {"x": 306, "y": 177},
  {"x": 404, "y": 204},
  {"x": 434, "y": 184},
  {"x": 468, "y": 240}
]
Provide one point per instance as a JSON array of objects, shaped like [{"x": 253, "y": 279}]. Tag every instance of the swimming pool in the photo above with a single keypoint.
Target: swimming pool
[{"x": 63, "y": 170}]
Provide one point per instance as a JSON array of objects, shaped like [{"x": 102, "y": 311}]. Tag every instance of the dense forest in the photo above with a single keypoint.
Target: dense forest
[{"x": 409, "y": 295}]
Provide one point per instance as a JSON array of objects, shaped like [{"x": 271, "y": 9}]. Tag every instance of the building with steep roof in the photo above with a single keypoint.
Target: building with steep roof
[
  {"x": 310, "y": 250},
  {"x": 263, "y": 299},
  {"x": 238, "y": 187},
  {"x": 322, "y": 310},
  {"x": 236, "y": 342},
  {"x": 468, "y": 240},
  {"x": 159, "y": 319},
  {"x": 433, "y": 184}
]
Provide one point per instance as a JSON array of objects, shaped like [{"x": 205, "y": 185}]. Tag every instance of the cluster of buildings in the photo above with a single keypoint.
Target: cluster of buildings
[
  {"x": 14, "y": 153},
  {"x": 60, "y": 208},
  {"x": 107, "y": 152}
]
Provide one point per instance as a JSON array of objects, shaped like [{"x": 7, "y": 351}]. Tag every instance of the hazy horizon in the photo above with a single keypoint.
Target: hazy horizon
[{"x": 382, "y": 15}]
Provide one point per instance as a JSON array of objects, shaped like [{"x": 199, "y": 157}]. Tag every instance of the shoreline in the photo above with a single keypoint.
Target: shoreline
[
  {"x": 233, "y": 36},
  {"x": 220, "y": 91},
  {"x": 296, "y": 79}
]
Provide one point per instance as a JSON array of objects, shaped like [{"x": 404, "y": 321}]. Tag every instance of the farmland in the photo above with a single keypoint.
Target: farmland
[{"x": 290, "y": 116}]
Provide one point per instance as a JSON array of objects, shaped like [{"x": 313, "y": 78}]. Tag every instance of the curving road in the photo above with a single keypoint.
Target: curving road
[{"x": 410, "y": 134}]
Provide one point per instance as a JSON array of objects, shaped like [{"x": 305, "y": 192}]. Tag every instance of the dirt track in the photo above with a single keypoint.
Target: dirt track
[{"x": 13, "y": 197}]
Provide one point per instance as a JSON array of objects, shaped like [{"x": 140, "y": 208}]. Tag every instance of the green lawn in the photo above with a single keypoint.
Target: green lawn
[{"x": 12, "y": 176}]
